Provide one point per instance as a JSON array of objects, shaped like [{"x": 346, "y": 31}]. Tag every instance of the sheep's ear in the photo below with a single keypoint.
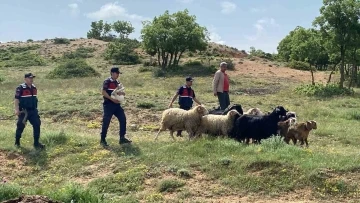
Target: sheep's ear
[{"x": 308, "y": 125}]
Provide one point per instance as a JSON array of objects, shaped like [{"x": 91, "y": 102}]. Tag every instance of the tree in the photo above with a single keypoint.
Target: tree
[
  {"x": 123, "y": 28},
  {"x": 170, "y": 35},
  {"x": 99, "y": 30},
  {"x": 336, "y": 23}
]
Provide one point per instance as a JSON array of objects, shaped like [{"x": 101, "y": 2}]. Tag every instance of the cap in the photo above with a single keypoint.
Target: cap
[
  {"x": 223, "y": 63},
  {"x": 189, "y": 78},
  {"x": 115, "y": 70},
  {"x": 29, "y": 75}
]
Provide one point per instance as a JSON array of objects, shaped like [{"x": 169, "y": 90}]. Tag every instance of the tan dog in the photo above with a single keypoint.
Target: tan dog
[{"x": 300, "y": 131}]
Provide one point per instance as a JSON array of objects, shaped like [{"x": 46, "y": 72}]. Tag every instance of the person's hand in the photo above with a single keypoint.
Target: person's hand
[
  {"x": 115, "y": 101},
  {"x": 17, "y": 112}
]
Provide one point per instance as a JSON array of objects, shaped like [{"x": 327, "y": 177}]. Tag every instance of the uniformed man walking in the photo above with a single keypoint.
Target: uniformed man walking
[
  {"x": 186, "y": 96},
  {"x": 112, "y": 107},
  {"x": 26, "y": 108}
]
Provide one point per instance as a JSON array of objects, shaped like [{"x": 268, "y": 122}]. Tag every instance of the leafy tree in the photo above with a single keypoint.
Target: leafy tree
[
  {"x": 100, "y": 30},
  {"x": 170, "y": 35},
  {"x": 123, "y": 28},
  {"x": 121, "y": 53},
  {"x": 337, "y": 21}
]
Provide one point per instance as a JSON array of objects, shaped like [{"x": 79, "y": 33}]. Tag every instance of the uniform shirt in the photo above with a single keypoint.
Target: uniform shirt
[
  {"x": 109, "y": 86},
  {"x": 186, "y": 95},
  {"x": 27, "y": 96}
]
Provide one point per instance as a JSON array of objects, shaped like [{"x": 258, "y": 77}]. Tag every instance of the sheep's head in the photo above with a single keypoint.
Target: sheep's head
[
  {"x": 311, "y": 125},
  {"x": 201, "y": 110},
  {"x": 233, "y": 113},
  {"x": 280, "y": 110},
  {"x": 236, "y": 107},
  {"x": 120, "y": 87},
  {"x": 284, "y": 124}
]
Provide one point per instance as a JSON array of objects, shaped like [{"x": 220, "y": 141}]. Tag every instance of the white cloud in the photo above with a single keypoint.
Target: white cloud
[
  {"x": 227, "y": 7},
  {"x": 214, "y": 36},
  {"x": 257, "y": 10},
  {"x": 113, "y": 10},
  {"x": 260, "y": 27},
  {"x": 74, "y": 8},
  {"x": 185, "y": 1}
]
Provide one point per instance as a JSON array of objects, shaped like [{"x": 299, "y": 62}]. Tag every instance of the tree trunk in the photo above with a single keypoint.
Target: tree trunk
[
  {"x": 158, "y": 55},
  {"x": 332, "y": 72},
  {"x": 312, "y": 76},
  {"x": 342, "y": 75},
  {"x": 171, "y": 58},
  {"x": 177, "y": 62}
]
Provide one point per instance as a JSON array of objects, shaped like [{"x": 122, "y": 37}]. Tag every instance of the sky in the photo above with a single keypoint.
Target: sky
[{"x": 236, "y": 23}]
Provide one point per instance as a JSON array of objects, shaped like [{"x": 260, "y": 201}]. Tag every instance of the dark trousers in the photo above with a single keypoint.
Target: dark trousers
[
  {"x": 111, "y": 109},
  {"x": 34, "y": 119},
  {"x": 185, "y": 108},
  {"x": 224, "y": 100}
]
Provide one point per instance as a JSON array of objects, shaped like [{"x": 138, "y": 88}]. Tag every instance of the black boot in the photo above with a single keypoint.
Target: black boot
[
  {"x": 17, "y": 142},
  {"x": 37, "y": 144},
  {"x": 103, "y": 142}
]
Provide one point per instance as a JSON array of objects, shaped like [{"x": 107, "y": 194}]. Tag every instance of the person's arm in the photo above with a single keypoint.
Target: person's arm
[
  {"x": 16, "y": 101},
  {"x": 216, "y": 82},
  {"x": 197, "y": 101},
  {"x": 173, "y": 99},
  {"x": 105, "y": 94}
]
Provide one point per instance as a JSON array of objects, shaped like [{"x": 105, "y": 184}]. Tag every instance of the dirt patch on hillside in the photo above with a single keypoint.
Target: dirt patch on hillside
[
  {"x": 31, "y": 199},
  {"x": 260, "y": 69}
]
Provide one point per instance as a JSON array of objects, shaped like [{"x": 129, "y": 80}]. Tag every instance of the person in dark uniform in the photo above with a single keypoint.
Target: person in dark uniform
[
  {"x": 186, "y": 96},
  {"x": 26, "y": 109},
  {"x": 112, "y": 107}
]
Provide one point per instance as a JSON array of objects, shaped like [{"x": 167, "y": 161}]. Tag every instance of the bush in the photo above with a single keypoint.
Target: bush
[
  {"x": 170, "y": 185},
  {"x": 148, "y": 63},
  {"x": 299, "y": 65},
  {"x": 193, "y": 63},
  {"x": 24, "y": 59},
  {"x": 29, "y": 40},
  {"x": 61, "y": 41},
  {"x": 121, "y": 53},
  {"x": 73, "y": 68},
  {"x": 81, "y": 52},
  {"x": 8, "y": 191},
  {"x": 321, "y": 90},
  {"x": 2, "y": 79}
]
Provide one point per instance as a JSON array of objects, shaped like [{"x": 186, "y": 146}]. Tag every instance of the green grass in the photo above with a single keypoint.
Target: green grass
[{"x": 75, "y": 167}]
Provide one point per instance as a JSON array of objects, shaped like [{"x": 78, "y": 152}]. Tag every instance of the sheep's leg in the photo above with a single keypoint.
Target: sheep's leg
[
  {"x": 157, "y": 135},
  {"x": 294, "y": 140},
  {"x": 172, "y": 135},
  {"x": 306, "y": 142},
  {"x": 287, "y": 140}
]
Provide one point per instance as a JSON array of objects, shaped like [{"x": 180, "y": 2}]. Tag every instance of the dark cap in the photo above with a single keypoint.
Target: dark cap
[
  {"x": 29, "y": 75},
  {"x": 115, "y": 70},
  {"x": 189, "y": 78}
]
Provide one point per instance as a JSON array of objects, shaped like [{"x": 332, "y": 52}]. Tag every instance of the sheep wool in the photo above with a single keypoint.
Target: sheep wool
[
  {"x": 175, "y": 119},
  {"x": 218, "y": 124}
]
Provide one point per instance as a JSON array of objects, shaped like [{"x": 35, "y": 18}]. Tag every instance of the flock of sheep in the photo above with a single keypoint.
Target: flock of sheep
[{"x": 235, "y": 124}]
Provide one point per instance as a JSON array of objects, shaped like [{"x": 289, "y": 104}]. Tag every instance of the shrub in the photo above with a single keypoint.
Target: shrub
[
  {"x": 149, "y": 63},
  {"x": 2, "y": 79},
  {"x": 24, "y": 59},
  {"x": 29, "y": 40},
  {"x": 121, "y": 53},
  {"x": 145, "y": 105},
  {"x": 8, "y": 191},
  {"x": 81, "y": 52},
  {"x": 61, "y": 41},
  {"x": 321, "y": 90},
  {"x": 299, "y": 65},
  {"x": 193, "y": 63},
  {"x": 170, "y": 185},
  {"x": 73, "y": 68}
]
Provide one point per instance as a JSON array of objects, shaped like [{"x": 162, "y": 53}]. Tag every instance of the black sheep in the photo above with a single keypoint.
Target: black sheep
[
  {"x": 236, "y": 107},
  {"x": 257, "y": 127}
]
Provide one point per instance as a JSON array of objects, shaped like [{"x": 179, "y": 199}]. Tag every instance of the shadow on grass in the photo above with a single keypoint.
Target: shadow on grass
[{"x": 126, "y": 150}]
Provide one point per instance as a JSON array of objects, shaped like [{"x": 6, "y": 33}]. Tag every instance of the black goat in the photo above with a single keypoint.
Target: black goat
[
  {"x": 257, "y": 127},
  {"x": 236, "y": 107}
]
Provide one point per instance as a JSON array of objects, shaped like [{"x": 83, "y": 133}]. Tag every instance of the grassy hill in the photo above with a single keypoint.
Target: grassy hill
[{"x": 74, "y": 166}]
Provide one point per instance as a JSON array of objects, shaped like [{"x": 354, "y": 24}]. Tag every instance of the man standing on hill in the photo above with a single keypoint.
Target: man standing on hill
[
  {"x": 112, "y": 107},
  {"x": 221, "y": 86},
  {"x": 186, "y": 96},
  {"x": 26, "y": 109}
]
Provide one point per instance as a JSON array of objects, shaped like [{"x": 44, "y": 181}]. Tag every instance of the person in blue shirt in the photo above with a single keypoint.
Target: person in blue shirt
[{"x": 186, "y": 97}]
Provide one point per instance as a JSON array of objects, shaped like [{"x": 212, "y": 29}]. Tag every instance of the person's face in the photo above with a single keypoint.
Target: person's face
[
  {"x": 29, "y": 80},
  {"x": 189, "y": 83},
  {"x": 115, "y": 75},
  {"x": 223, "y": 67}
]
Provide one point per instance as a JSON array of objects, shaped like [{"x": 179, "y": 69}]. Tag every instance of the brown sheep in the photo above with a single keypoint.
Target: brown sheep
[{"x": 300, "y": 131}]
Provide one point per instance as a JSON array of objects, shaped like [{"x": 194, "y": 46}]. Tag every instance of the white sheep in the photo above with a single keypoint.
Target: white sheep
[
  {"x": 254, "y": 111},
  {"x": 175, "y": 119},
  {"x": 217, "y": 124},
  {"x": 115, "y": 93}
]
